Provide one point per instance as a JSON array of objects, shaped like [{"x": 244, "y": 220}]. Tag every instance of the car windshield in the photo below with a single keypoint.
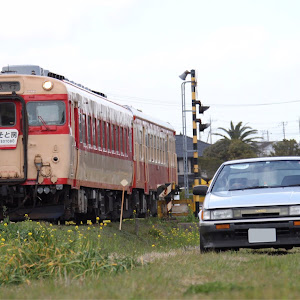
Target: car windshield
[
  {"x": 49, "y": 112},
  {"x": 261, "y": 174}
]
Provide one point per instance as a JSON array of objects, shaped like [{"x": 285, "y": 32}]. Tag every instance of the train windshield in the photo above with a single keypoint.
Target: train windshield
[
  {"x": 7, "y": 114},
  {"x": 49, "y": 112}
]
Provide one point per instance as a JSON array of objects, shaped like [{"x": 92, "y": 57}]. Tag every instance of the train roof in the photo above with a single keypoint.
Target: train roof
[
  {"x": 139, "y": 114},
  {"x": 108, "y": 110}
]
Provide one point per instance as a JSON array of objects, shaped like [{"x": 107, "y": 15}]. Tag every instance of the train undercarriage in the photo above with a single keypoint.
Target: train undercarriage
[{"x": 60, "y": 202}]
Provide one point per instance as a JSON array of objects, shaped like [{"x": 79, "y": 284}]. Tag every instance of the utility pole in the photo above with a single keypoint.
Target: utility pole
[{"x": 283, "y": 128}]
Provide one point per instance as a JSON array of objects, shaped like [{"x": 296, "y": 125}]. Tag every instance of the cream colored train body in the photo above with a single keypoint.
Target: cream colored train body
[{"x": 68, "y": 152}]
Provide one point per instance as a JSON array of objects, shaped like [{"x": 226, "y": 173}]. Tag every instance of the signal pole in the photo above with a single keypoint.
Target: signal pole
[
  {"x": 195, "y": 140},
  {"x": 202, "y": 127}
]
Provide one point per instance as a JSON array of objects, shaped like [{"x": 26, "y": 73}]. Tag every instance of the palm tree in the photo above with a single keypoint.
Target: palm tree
[{"x": 239, "y": 132}]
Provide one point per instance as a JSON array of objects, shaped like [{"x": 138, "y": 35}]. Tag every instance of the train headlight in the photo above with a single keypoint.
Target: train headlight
[
  {"x": 40, "y": 189},
  {"x": 47, "y": 85},
  {"x": 46, "y": 190}
]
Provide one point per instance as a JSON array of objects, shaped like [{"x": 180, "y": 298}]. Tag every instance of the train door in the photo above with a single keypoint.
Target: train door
[{"x": 13, "y": 139}]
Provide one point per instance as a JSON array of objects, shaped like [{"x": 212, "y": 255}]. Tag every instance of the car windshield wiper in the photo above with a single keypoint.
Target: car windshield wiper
[
  {"x": 297, "y": 184},
  {"x": 256, "y": 187}
]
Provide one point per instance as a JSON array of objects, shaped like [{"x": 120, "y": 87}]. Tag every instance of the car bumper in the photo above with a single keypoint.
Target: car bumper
[{"x": 284, "y": 234}]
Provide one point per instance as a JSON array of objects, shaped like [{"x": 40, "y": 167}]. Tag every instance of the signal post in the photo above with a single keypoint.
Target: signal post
[{"x": 202, "y": 127}]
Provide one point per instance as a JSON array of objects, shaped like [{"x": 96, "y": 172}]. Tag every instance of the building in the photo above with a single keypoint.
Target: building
[{"x": 180, "y": 154}]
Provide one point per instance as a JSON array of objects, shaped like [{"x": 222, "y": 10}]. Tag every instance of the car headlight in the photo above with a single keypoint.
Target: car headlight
[
  {"x": 221, "y": 214},
  {"x": 295, "y": 210},
  {"x": 218, "y": 214}
]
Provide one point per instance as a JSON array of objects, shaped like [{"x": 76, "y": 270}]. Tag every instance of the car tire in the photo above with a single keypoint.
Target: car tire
[{"x": 202, "y": 248}]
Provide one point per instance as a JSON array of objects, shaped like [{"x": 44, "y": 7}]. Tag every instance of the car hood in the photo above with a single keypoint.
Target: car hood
[{"x": 253, "y": 197}]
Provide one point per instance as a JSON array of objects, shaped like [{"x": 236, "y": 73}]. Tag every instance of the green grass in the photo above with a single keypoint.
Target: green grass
[
  {"x": 161, "y": 262},
  {"x": 33, "y": 250}
]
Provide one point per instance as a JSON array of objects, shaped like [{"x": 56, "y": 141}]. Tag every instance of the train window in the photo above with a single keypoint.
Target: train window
[
  {"x": 117, "y": 137},
  {"x": 121, "y": 140},
  {"x": 141, "y": 144},
  {"x": 49, "y": 112},
  {"x": 84, "y": 128},
  {"x": 7, "y": 114},
  {"x": 125, "y": 140},
  {"x": 94, "y": 132},
  {"x": 99, "y": 131},
  {"x": 80, "y": 127},
  {"x": 167, "y": 153},
  {"x": 112, "y": 127},
  {"x": 161, "y": 151},
  {"x": 89, "y": 134},
  {"x": 108, "y": 136},
  {"x": 130, "y": 140},
  {"x": 103, "y": 135}
]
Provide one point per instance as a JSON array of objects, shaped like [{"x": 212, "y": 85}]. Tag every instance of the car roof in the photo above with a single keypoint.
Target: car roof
[{"x": 258, "y": 159}]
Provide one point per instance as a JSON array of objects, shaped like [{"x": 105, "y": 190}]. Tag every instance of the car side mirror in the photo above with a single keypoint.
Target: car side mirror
[{"x": 200, "y": 190}]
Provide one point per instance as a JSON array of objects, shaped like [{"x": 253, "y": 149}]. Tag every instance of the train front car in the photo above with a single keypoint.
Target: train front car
[
  {"x": 34, "y": 134},
  {"x": 155, "y": 162}
]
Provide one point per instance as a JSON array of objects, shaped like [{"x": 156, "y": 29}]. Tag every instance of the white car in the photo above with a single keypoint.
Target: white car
[{"x": 252, "y": 203}]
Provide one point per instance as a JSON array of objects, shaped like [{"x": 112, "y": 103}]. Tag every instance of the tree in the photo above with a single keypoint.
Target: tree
[
  {"x": 239, "y": 132},
  {"x": 218, "y": 150},
  {"x": 286, "y": 148},
  {"x": 226, "y": 149},
  {"x": 238, "y": 150}
]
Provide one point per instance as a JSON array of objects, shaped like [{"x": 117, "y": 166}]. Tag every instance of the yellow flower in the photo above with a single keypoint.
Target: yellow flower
[
  {"x": 76, "y": 227},
  {"x": 101, "y": 224},
  {"x": 50, "y": 225},
  {"x": 153, "y": 245},
  {"x": 99, "y": 235},
  {"x": 5, "y": 224},
  {"x": 3, "y": 239},
  {"x": 30, "y": 233},
  {"x": 100, "y": 228},
  {"x": 105, "y": 224},
  {"x": 70, "y": 241},
  {"x": 97, "y": 218},
  {"x": 70, "y": 230},
  {"x": 89, "y": 228}
]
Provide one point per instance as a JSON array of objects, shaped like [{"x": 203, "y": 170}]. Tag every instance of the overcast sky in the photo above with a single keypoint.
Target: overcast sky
[{"x": 246, "y": 54}]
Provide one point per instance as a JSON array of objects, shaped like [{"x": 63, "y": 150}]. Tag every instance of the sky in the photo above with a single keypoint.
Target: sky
[{"x": 245, "y": 53}]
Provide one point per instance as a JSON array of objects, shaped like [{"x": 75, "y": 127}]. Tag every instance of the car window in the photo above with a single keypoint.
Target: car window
[{"x": 260, "y": 174}]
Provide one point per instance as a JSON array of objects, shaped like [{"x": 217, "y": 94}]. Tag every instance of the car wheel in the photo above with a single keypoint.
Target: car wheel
[{"x": 202, "y": 249}]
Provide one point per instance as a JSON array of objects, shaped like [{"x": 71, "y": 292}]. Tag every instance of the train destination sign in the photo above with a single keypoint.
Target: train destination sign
[
  {"x": 9, "y": 86},
  {"x": 8, "y": 138}
]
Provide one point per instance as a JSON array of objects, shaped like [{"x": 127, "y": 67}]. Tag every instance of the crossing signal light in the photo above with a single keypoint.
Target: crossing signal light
[
  {"x": 202, "y": 109},
  {"x": 202, "y": 127}
]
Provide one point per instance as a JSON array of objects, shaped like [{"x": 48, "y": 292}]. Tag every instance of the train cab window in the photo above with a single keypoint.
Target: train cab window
[
  {"x": 7, "y": 114},
  {"x": 48, "y": 112}
]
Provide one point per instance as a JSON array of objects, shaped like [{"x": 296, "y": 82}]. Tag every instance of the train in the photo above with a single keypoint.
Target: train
[{"x": 69, "y": 153}]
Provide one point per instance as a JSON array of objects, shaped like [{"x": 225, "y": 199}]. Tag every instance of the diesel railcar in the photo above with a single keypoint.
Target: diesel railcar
[{"x": 67, "y": 152}]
